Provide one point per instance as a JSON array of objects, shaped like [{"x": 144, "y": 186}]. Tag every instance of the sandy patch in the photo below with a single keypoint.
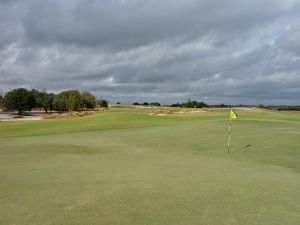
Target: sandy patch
[
  {"x": 23, "y": 119},
  {"x": 172, "y": 112},
  {"x": 197, "y": 111},
  {"x": 4, "y": 116},
  {"x": 250, "y": 109},
  {"x": 161, "y": 114}
]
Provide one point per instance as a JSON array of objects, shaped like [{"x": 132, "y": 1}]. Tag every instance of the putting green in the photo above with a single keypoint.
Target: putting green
[{"x": 127, "y": 167}]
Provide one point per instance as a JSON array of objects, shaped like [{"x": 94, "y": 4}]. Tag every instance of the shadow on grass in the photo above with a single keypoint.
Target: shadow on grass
[{"x": 246, "y": 147}]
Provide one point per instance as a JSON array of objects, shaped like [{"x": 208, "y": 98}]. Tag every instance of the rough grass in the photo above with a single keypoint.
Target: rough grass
[{"x": 128, "y": 167}]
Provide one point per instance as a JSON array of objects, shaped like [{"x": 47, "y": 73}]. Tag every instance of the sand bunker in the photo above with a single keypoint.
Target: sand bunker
[{"x": 14, "y": 117}]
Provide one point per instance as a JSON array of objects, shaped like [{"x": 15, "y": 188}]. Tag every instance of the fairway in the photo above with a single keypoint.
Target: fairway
[{"x": 127, "y": 167}]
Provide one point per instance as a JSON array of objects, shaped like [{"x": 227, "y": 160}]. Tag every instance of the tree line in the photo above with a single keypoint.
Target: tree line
[
  {"x": 147, "y": 103},
  {"x": 187, "y": 104},
  {"x": 190, "y": 104},
  {"x": 21, "y": 99}
]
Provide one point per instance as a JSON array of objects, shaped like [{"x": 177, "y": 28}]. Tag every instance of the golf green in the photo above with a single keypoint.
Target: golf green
[{"x": 130, "y": 168}]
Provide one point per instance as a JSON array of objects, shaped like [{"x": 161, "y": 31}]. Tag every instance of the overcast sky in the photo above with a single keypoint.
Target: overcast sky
[{"x": 229, "y": 51}]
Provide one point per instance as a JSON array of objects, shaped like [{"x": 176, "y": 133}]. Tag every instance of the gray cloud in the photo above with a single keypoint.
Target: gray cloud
[{"x": 133, "y": 50}]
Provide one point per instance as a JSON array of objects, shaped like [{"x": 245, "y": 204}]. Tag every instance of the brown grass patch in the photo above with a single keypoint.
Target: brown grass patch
[
  {"x": 67, "y": 116},
  {"x": 170, "y": 111}
]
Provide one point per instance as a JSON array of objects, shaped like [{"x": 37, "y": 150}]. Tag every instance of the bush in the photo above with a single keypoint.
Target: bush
[
  {"x": 176, "y": 105},
  {"x": 264, "y": 106},
  {"x": 102, "y": 103},
  {"x": 155, "y": 103}
]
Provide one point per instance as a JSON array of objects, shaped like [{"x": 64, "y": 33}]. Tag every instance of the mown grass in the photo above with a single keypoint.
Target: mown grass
[{"x": 127, "y": 167}]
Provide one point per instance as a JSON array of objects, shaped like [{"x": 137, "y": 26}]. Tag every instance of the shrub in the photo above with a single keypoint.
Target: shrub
[{"x": 102, "y": 103}]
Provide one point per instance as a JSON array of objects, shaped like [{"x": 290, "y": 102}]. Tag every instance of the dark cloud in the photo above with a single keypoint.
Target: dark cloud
[{"x": 133, "y": 50}]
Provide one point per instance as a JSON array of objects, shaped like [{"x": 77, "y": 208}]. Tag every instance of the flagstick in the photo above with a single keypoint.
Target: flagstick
[{"x": 229, "y": 134}]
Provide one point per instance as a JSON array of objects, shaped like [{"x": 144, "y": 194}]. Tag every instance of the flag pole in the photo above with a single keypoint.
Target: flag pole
[{"x": 229, "y": 129}]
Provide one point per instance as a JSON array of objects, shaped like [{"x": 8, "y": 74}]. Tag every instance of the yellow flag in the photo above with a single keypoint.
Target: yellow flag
[{"x": 233, "y": 115}]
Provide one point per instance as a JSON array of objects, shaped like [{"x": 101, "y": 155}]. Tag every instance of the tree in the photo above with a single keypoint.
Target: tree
[
  {"x": 19, "y": 99},
  {"x": 59, "y": 102},
  {"x": 194, "y": 104},
  {"x": 155, "y": 103},
  {"x": 38, "y": 98},
  {"x": 262, "y": 106},
  {"x": 69, "y": 100},
  {"x": 176, "y": 105},
  {"x": 190, "y": 104},
  {"x": 47, "y": 101},
  {"x": 1, "y": 100},
  {"x": 43, "y": 99},
  {"x": 222, "y": 105},
  {"x": 88, "y": 100},
  {"x": 102, "y": 103},
  {"x": 73, "y": 100}
]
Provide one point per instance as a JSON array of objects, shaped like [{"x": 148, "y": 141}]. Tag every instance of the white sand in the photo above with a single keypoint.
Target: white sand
[{"x": 14, "y": 117}]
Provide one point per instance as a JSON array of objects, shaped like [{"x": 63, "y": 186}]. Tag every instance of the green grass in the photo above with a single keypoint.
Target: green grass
[{"x": 127, "y": 167}]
